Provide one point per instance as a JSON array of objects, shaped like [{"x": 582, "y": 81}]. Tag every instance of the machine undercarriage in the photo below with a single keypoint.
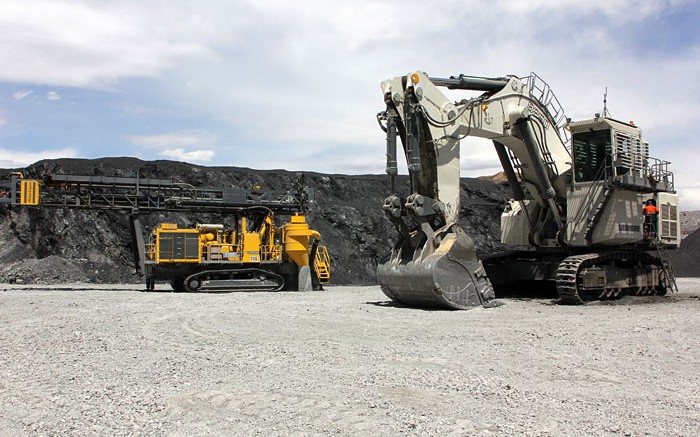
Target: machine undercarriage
[
  {"x": 576, "y": 279},
  {"x": 223, "y": 279}
]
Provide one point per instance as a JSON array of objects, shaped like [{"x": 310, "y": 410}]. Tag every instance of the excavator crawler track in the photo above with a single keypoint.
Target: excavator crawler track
[
  {"x": 569, "y": 277},
  {"x": 233, "y": 280}
]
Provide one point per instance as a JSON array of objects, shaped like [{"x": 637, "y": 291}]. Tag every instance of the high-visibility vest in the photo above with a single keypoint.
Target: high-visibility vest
[{"x": 650, "y": 209}]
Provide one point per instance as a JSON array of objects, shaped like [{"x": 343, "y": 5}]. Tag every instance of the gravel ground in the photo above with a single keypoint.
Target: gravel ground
[{"x": 82, "y": 360}]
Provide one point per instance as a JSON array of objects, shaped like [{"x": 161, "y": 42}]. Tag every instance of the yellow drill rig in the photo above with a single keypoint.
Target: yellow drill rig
[
  {"x": 253, "y": 255},
  {"x": 248, "y": 253}
]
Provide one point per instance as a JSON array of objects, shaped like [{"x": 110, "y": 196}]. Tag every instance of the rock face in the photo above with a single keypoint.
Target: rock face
[
  {"x": 54, "y": 245},
  {"x": 686, "y": 260},
  {"x": 690, "y": 222}
]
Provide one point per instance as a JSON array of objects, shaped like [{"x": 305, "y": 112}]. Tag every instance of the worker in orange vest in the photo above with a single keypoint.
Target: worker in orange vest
[{"x": 651, "y": 213}]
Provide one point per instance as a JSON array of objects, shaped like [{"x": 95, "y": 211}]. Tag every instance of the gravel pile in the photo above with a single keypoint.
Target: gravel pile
[
  {"x": 686, "y": 259},
  {"x": 690, "y": 222}
]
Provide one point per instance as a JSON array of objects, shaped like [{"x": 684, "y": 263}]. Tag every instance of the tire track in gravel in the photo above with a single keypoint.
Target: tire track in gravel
[{"x": 259, "y": 408}]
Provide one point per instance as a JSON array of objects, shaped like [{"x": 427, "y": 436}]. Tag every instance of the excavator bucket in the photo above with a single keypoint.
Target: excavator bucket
[{"x": 444, "y": 273}]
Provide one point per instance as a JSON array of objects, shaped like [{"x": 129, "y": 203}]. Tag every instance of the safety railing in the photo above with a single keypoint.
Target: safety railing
[
  {"x": 150, "y": 251},
  {"x": 633, "y": 166},
  {"x": 540, "y": 90},
  {"x": 659, "y": 172},
  {"x": 271, "y": 252}
]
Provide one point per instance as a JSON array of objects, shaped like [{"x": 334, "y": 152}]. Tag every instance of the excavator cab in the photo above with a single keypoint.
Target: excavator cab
[
  {"x": 592, "y": 150},
  {"x": 613, "y": 177},
  {"x": 608, "y": 149}
]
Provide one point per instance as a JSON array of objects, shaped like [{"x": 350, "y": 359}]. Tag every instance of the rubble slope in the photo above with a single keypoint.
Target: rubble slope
[{"x": 53, "y": 245}]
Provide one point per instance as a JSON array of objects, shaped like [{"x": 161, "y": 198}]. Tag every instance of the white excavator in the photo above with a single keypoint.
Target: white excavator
[{"x": 576, "y": 218}]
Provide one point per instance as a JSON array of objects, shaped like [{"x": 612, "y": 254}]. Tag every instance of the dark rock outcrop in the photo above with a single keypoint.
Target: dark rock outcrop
[
  {"x": 54, "y": 245},
  {"x": 686, "y": 259}
]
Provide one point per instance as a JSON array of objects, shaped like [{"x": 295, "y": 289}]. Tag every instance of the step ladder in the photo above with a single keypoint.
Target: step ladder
[
  {"x": 322, "y": 264},
  {"x": 598, "y": 213},
  {"x": 665, "y": 263}
]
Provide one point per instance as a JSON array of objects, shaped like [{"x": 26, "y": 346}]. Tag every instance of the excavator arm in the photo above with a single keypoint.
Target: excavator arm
[{"x": 434, "y": 262}]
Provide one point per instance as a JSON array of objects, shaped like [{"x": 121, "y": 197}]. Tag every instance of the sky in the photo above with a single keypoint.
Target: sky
[{"x": 295, "y": 85}]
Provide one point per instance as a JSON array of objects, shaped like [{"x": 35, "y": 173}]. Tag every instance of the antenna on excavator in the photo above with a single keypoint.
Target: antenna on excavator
[{"x": 606, "y": 113}]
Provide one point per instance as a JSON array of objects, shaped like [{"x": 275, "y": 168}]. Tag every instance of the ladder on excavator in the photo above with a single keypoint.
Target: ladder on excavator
[
  {"x": 598, "y": 211},
  {"x": 666, "y": 265}
]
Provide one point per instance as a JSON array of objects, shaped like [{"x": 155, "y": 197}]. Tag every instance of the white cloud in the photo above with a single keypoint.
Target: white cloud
[
  {"x": 19, "y": 95},
  {"x": 185, "y": 146},
  {"x": 81, "y": 43},
  {"x": 173, "y": 140},
  {"x": 478, "y": 158},
  {"x": 13, "y": 158},
  {"x": 618, "y": 10},
  {"x": 314, "y": 74},
  {"x": 690, "y": 198},
  {"x": 52, "y": 95},
  {"x": 188, "y": 156}
]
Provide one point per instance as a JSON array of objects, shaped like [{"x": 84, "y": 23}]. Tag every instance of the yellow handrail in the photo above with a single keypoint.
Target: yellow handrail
[{"x": 322, "y": 264}]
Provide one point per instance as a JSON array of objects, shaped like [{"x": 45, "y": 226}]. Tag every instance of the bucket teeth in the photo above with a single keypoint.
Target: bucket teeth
[{"x": 444, "y": 274}]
